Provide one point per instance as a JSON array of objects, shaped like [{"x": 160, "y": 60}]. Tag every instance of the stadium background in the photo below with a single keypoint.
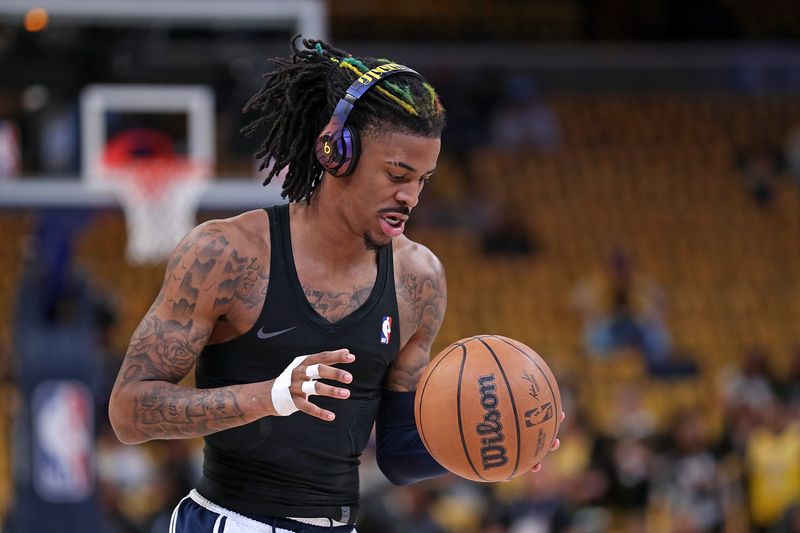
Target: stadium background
[{"x": 589, "y": 142}]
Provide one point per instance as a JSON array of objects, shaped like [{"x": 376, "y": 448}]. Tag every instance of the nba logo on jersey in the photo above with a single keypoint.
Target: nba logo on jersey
[{"x": 386, "y": 329}]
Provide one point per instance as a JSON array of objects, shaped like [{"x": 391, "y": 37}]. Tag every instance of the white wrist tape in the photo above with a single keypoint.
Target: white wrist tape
[{"x": 281, "y": 395}]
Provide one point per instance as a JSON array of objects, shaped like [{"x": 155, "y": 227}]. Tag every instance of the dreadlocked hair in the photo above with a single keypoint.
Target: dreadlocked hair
[{"x": 298, "y": 98}]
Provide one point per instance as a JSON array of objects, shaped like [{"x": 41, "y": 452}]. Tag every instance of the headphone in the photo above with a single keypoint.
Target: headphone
[{"x": 338, "y": 146}]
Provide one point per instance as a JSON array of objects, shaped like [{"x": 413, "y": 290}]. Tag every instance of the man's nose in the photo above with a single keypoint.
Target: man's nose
[{"x": 408, "y": 194}]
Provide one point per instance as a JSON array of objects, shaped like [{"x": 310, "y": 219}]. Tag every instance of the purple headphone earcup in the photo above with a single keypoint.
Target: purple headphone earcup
[{"x": 338, "y": 154}]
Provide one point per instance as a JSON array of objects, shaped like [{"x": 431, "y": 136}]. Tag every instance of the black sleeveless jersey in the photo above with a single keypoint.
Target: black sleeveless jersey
[{"x": 299, "y": 465}]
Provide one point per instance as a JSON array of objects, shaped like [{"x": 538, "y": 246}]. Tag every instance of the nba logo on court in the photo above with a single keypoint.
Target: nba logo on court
[
  {"x": 386, "y": 329},
  {"x": 63, "y": 426}
]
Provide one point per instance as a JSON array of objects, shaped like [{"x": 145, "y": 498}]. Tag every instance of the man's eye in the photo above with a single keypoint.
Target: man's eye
[
  {"x": 396, "y": 178},
  {"x": 424, "y": 181}
]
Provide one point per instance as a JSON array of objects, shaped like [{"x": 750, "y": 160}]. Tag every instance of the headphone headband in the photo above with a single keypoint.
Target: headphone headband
[
  {"x": 373, "y": 76},
  {"x": 338, "y": 146}
]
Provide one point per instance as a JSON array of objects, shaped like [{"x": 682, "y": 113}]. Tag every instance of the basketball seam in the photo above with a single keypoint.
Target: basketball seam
[
  {"x": 422, "y": 395},
  {"x": 458, "y": 410},
  {"x": 557, "y": 415},
  {"x": 513, "y": 405}
]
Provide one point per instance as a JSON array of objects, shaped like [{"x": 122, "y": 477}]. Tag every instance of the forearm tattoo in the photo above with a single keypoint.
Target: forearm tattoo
[
  {"x": 160, "y": 354},
  {"x": 168, "y": 411}
]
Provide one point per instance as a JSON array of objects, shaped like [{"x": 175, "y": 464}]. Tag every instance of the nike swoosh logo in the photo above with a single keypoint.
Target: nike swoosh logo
[{"x": 264, "y": 335}]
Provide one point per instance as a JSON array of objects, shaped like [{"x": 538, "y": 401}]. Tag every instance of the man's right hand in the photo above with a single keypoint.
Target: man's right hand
[{"x": 290, "y": 390}]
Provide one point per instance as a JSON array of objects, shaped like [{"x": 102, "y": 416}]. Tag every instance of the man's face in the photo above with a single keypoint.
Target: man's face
[{"x": 385, "y": 187}]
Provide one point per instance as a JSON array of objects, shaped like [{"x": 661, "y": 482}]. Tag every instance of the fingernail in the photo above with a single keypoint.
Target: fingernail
[
  {"x": 348, "y": 378},
  {"x": 351, "y": 357},
  {"x": 344, "y": 393},
  {"x": 330, "y": 416}
]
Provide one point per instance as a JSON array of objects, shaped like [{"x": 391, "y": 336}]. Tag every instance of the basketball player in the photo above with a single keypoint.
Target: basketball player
[{"x": 323, "y": 297}]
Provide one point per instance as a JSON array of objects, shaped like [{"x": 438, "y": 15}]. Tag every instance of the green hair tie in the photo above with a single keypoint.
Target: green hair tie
[
  {"x": 405, "y": 92},
  {"x": 356, "y": 63}
]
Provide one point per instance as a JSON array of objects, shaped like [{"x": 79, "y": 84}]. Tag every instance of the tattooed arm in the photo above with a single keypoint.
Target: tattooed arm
[
  {"x": 422, "y": 298},
  {"x": 211, "y": 270}
]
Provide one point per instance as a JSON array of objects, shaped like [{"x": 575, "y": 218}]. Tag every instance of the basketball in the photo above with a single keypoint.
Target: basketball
[{"x": 488, "y": 408}]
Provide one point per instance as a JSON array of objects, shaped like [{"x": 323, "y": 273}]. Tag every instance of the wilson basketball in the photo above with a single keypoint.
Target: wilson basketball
[{"x": 488, "y": 408}]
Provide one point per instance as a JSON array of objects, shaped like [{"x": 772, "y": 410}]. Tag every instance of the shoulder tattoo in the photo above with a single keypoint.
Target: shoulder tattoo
[
  {"x": 426, "y": 296},
  {"x": 217, "y": 266}
]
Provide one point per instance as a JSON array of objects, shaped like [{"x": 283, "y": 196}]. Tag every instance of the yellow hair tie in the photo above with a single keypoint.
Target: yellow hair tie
[
  {"x": 398, "y": 101},
  {"x": 345, "y": 64}
]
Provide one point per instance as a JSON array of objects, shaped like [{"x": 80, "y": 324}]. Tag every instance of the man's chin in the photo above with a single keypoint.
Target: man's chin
[{"x": 372, "y": 243}]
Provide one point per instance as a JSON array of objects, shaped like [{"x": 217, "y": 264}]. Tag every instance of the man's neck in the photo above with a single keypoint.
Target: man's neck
[{"x": 320, "y": 233}]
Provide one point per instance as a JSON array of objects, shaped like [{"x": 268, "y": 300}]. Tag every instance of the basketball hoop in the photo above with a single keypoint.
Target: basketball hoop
[{"x": 159, "y": 192}]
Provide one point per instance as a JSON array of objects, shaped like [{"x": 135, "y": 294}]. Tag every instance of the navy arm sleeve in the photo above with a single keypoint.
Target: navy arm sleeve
[{"x": 401, "y": 455}]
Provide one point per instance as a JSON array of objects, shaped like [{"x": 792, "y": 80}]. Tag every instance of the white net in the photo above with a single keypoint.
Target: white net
[{"x": 160, "y": 200}]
